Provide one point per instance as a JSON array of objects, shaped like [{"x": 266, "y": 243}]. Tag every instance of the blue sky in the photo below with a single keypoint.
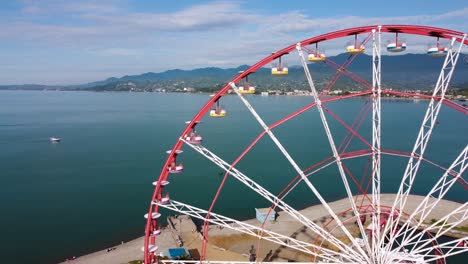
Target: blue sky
[{"x": 72, "y": 42}]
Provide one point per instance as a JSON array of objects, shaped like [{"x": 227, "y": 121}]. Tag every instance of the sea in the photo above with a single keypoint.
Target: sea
[{"x": 91, "y": 190}]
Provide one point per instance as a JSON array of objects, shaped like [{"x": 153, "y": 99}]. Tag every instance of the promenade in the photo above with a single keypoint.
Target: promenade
[{"x": 228, "y": 244}]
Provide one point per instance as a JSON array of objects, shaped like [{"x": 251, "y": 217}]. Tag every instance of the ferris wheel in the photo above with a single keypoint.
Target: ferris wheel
[{"x": 367, "y": 226}]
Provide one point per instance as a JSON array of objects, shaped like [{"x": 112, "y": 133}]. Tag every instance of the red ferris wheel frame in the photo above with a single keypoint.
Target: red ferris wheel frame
[{"x": 151, "y": 224}]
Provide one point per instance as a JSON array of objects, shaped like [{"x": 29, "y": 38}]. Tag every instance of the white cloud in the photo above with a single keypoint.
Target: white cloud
[
  {"x": 119, "y": 52},
  {"x": 222, "y": 34}
]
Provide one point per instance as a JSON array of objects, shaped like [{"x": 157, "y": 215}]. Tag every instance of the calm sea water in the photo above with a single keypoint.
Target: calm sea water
[{"x": 90, "y": 191}]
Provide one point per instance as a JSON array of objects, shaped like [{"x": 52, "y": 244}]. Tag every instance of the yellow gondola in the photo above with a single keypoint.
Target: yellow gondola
[
  {"x": 355, "y": 48},
  {"x": 316, "y": 56},
  {"x": 217, "y": 111},
  {"x": 250, "y": 90},
  {"x": 352, "y": 49},
  {"x": 246, "y": 88},
  {"x": 279, "y": 69}
]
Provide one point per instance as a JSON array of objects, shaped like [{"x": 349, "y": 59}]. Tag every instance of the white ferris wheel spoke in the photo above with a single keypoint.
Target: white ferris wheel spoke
[
  {"x": 451, "y": 248},
  {"x": 424, "y": 135},
  {"x": 424, "y": 246},
  {"x": 307, "y": 175},
  {"x": 261, "y": 233},
  {"x": 317, "y": 170},
  {"x": 376, "y": 155},
  {"x": 273, "y": 199},
  {"x": 337, "y": 158},
  {"x": 440, "y": 228},
  {"x": 239, "y": 262},
  {"x": 298, "y": 170},
  {"x": 432, "y": 199}
]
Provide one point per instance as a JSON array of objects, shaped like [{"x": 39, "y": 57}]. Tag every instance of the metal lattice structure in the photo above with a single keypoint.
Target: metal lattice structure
[{"x": 394, "y": 234}]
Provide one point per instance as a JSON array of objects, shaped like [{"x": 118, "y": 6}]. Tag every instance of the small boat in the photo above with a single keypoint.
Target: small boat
[{"x": 54, "y": 139}]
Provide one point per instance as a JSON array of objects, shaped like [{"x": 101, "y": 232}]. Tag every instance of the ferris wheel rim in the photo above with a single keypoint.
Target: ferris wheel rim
[{"x": 407, "y": 29}]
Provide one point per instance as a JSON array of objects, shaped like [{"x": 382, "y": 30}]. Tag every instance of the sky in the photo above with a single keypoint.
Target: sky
[{"x": 61, "y": 42}]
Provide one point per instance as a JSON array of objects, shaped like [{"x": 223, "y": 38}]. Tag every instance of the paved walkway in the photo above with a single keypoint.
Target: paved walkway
[{"x": 285, "y": 224}]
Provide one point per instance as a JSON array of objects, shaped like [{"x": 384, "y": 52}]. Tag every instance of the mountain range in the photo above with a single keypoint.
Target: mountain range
[{"x": 409, "y": 71}]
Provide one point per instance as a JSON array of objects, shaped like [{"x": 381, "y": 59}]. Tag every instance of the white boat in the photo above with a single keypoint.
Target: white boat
[{"x": 53, "y": 139}]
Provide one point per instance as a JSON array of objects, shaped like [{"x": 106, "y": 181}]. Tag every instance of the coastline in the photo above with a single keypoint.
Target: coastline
[
  {"x": 131, "y": 250},
  {"x": 414, "y": 98}
]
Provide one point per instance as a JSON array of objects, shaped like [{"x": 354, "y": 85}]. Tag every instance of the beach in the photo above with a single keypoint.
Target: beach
[{"x": 225, "y": 243}]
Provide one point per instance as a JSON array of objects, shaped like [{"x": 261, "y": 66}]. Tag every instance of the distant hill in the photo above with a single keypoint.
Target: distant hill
[{"x": 409, "y": 71}]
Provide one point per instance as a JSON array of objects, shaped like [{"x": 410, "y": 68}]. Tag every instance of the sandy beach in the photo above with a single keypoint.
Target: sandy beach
[{"x": 228, "y": 244}]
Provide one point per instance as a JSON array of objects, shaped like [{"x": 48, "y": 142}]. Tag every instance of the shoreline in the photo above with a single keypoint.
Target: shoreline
[
  {"x": 131, "y": 250},
  {"x": 393, "y": 97}
]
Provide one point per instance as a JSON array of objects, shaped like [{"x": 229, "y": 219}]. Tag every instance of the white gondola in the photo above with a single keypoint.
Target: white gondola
[
  {"x": 54, "y": 139},
  {"x": 153, "y": 215},
  {"x": 176, "y": 169},
  {"x": 151, "y": 248},
  {"x": 396, "y": 47},
  {"x": 163, "y": 183},
  {"x": 437, "y": 51},
  {"x": 165, "y": 199},
  {"x": 194, "y": 138},
  {"x": 188, "y": 122}
]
